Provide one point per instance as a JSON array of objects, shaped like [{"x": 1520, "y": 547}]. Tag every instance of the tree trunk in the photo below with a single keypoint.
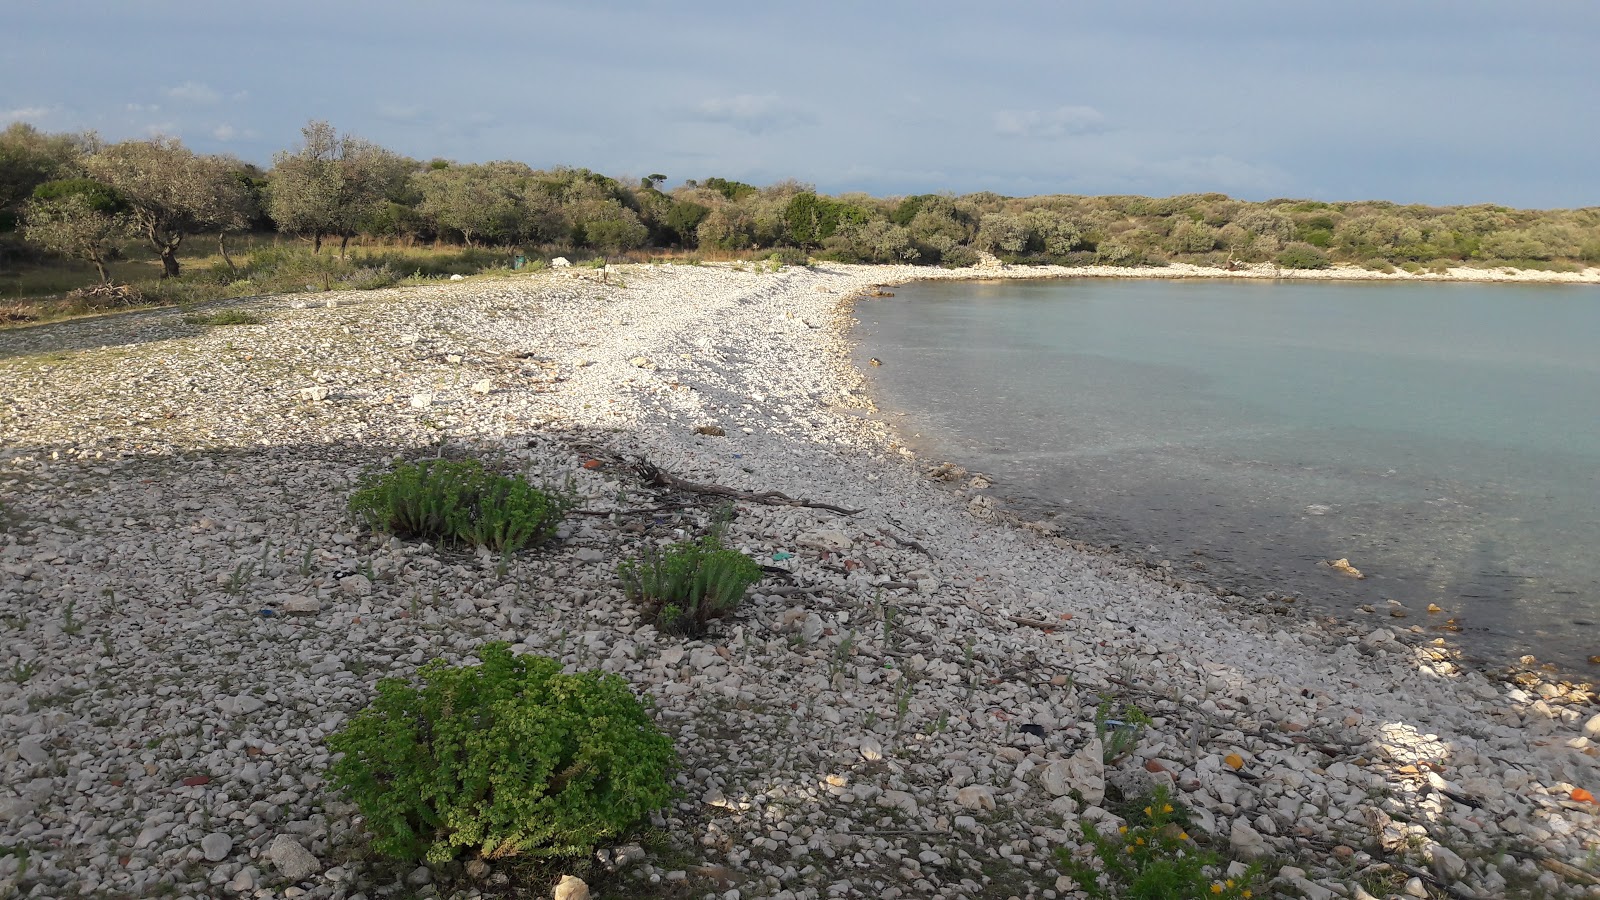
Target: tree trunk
[
  {"x": 222, "y": 247},
  {"x": 344, "y": 244},
  {"x": 100, "y": 266},
  {"x": 316, "y": 242},
  {"x": 169, "y": 262}
]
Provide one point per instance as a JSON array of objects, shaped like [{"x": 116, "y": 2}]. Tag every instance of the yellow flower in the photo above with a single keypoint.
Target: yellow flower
[
  {"x": 1247, "y": 894},
  {"x": 1216, "y": 888},
  {"x": 1148, "y": 812},
  {"x": 1183, "y": 835},
  {"x": 1167, "y": 808},
  {"x": 1122, "y": 830},
  {"x": 1229, "y": 882},
  {"x": 1139, "y": 841},
  {"x": 1128, "y": 849}
]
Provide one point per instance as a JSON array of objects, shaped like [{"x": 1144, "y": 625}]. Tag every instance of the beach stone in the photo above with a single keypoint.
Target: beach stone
[
  {"x": 1592, "y": 727},
  {"x": 640, "y": 362},
  {"x": 826, "y": 539},
  {"x": 420, "y": 876},
  {"x": 1084, "y": 771},
  {"x": 421, "y": 401},
  {"x": 1415, "y": 888},
  {"x": 1445, "y": 863},
  {"x": 14, "y": 808},
  {"x": 711, "y": 430},
  {"x": 216, "y": 846},
  {"x": 1246, "y": 842},
  {"x": 315, "y": 394},
  {"x": 899, "y": 800},
  {"x": 871, "y": 750},
  {"x": 477, "y": 869},
  {"x": 356, "y": 585},
  {"x": 245, "y": 880},
  {"x": 302, "y": 606},
  {"x": 977, "y": 796},
  {"x": 571, "y": 888},
  {"x": 560, "y": 262},
  {"x": 483, "y": 387},
  {"x": 292, "y": 860},
  {"x": 33, "y": 752}
]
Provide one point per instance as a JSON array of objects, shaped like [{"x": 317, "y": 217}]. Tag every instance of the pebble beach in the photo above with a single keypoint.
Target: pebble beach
[{"x": 907, "y": 710}]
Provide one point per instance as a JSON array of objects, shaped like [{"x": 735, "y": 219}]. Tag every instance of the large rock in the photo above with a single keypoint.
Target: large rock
[
  {"x": 572, "y": 887},
  {"x": 826, "y": 539},
  {"x": 977, "y": 796},
  {"x": 1446, "y": 864},
  {"x": 1246, "y": 842},
  {"x": 216, "y": 846},
  {"x": 1084, "y": 772},
  {"x": 293, "y": 861}
]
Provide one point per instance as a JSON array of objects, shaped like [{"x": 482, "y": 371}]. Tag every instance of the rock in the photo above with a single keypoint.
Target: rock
[
  {"x": 421, "y": 401},
  {"x": 483, "y": 387},
  {"x": 14, "y": 808},
  {"x": 1592, "y": 727},
  {"x": 712, "y": 430},
  {"x": 1084, "y": 772},
  {"x": 302, "y": 606},
  {"x": 458, "y": 277},
  {"x": 1246, "y": 842},
  {"x": 420, "y": 876},
  {"x": 560, "y": 262},
  {"x": 293, "y": 861},
  {"x": 1343, "y": 567},
  {"x": 1415, "y": 888},
  {"x": 589, "y": 555},
  {"x": 32, "y": 751},
  {"x": 315, "y": 394},
  {"x": 871, "y": 750},
  {"x": 356, "y": 585},
  {"x": 640, "y": 362},
  {"x": 826, "y": 539},
  {"x": 899, "y": 800},
  {"x": 1445, "y": 863},
  {"x": 477, "y": 870},
  {"x": 1378, "y": 637},
  {"x": 977, "y": 796},
  {"x": 216, "y": 846},
  {"x": 244, "y": 881},
  {"x": 571, "y": 888}
]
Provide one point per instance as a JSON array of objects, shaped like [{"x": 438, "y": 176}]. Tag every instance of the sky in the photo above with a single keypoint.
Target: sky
[{"x": 1415, "y": 101}]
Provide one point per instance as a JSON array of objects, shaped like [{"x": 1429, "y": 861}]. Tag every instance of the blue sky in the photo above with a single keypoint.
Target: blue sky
[{"x": 1431, "y": 101}]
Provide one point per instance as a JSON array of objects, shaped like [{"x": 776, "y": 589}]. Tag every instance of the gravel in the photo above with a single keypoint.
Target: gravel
[{"x": 186, "y": 611}]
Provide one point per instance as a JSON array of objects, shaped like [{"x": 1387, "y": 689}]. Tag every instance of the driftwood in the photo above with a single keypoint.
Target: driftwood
[
  {"x": 907, "y": 542},
  {"x": 657, "y": 477}
]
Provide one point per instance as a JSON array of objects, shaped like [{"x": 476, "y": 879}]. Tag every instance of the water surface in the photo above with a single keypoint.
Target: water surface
[{"x": 1445, "y": 438}]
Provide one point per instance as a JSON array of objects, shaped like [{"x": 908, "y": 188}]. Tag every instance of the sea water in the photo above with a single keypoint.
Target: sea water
[{"x": 1443, "y": 438}]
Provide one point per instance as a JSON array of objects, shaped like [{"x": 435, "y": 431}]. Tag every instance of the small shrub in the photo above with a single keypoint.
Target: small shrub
[
  {"x": 1302, "y": 256},
  {"x": 684, "y": 586},
  {"x": 458, "y": 502},
  {"x": 790, "y": 256},
  {"x": 508, "y": 758},
  {"x": 1153, "y": 858},
  {"x": 959, "y": 257}
]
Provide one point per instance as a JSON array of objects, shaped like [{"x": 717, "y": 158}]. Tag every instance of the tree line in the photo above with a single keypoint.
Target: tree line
[{"x": 77, "y": 196}]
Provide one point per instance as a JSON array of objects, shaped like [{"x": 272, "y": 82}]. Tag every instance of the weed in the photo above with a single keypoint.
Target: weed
[
  {"x": 69, "y": 625},
  {"x": 224, "y": 317},
  {"x": 240, "y": 578},
  {"x": 1118, "y": 737},
  {"x": 21, "y": 672},
  {"x": 841, "y": 656},
  {"x": 686, "y": 585},
  {"x": 1153, "y": 858},
  {"x": 459, "y": 502}
]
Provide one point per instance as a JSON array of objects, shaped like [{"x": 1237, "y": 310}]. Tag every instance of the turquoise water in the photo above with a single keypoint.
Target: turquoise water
[{"x": 1445, "y": 438}]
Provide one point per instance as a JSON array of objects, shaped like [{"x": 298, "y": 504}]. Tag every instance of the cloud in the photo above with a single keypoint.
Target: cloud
[
  {"x": 1048, "y": 123},
  {"x": 1220, "y": 172},
  {"x": 26, "y": 113},
  {"x": 224, "y": 132},
  {"x": 396, "y": 112},
  {"x": 194, "y": 92},
  {"x": 753, "y": 113}
]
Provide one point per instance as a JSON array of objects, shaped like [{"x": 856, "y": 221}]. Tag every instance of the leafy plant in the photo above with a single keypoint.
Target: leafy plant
[
  {"x": 1118, "y": 737},
  {"x": 457, "y": 501},
  {"x": 1302, "y": 256},
  {"x": 686, "y": 585},
  {"x": 1152, "y": 858},
  {"x": 508, "y": 758}
]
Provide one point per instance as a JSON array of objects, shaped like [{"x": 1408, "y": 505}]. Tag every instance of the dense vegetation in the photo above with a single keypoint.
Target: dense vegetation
[{"x": 74, "y": 197}]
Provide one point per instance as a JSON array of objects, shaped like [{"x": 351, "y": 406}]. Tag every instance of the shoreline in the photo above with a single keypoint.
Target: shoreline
[
  {"x": 885, "y": 680},
  {"x": 1272, "y": 272}
]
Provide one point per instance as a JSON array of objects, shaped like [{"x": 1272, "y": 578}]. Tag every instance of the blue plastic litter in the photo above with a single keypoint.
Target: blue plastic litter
[{"x": 268, "y": 613}]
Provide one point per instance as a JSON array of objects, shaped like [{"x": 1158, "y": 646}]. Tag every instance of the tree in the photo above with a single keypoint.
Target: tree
[
  {"x": 29, "y": 158},
  {"x": 332, "y": 183},
  {"x": 230, "y": 204},
  {"x": 78, "y": 218},
  {"x": 482, "y": 202},
  {"x": 171, "y": 192}
]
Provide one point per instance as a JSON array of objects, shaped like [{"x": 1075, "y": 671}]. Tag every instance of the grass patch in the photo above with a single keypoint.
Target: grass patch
[
  {"x": 682, "y": 587},
  {"x": 458, "y": 502},
  {"x": 1153, "y": 858},
  {"x": 224, "y": 317}
]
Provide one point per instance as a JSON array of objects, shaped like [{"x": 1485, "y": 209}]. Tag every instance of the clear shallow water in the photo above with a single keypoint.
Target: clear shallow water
[{"x": 1444, "y": 438}]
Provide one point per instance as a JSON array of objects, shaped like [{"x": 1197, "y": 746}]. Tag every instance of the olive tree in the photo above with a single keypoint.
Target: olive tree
[
  {"x": 29, "y": 158},
  {"x": 170, "y": 192},
  {"x": 482, "y": 202},
  {"x": 79, "y": 218},
  {"x": 331, "y": 184}
]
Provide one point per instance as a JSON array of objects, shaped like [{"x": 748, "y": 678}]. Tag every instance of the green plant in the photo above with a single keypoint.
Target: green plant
[
  {"x": 457, "y": 501},
  {"x": 224, "y": 317},
  {"x": 69, "y": 624},
  {"x": 508, "y": 758},
  {"x": 21, "y": 672},
  {"x": 1152, "y": 858},
  {"x": 1302, "y": 256},
  {"x": 1117, "y": 736},
  {"x": 686, "y": 585}
]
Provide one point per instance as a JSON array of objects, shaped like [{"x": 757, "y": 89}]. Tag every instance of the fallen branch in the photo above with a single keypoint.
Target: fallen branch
[
  {"x": 908, "y": 542},
  {"x": 1033, "y": 623},
  {"x": 656, "y": 477}
]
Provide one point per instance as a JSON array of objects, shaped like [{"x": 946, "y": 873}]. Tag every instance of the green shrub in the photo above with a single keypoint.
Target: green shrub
[
  {"x": 458, "y": 502},
  {"x": 1302, "y": 256},
  {"x": 224, "y": 317},
  {"x": 508, "y": 758},
  {"x": 790, "y": 256},
  {"x": 684, "y": 586},
  {"x": 1152, "y": 858},
  {"x": 959, "y": 257}
]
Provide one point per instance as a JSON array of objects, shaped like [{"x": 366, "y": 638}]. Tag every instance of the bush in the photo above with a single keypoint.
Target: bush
[
  {"x": 508, "y": 758},
  {"x": 458, "y": 502},
  {"x": 959, "y": 257},
  {"x": 1302, "y": 256},
  {"x": 224, "y": 317},
  {"x": 790, "y": 256},
  {"x": 685, "y": 586},
  {"x": 1152, "y": 858}
]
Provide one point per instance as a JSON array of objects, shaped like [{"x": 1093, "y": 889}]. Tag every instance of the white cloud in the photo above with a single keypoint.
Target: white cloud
[
  {"x": 1048, "y": 123},
  {"x": 26, "y": 113},
  {"x": 224, "y": 132},
  {"x": 1220, "y": 172},
  {"x": 194, "y": 92},
  {"x": 754, "y": 113}
]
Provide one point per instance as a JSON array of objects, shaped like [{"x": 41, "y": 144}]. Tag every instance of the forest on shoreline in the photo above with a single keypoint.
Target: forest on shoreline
[{"x": 75, "y": 210}]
